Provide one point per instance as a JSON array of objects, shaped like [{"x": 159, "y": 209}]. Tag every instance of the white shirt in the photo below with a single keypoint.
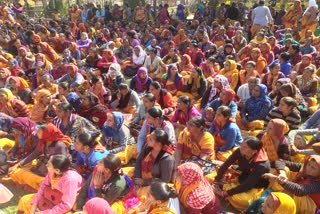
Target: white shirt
[{"x": 261, "y": 16}]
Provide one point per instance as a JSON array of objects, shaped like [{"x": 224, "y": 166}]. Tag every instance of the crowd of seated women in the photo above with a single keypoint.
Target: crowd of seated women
[{"x": 160, "y": 116}]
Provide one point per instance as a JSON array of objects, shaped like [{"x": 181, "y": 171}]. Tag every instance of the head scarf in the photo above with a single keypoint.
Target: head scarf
[
  {"x": 230, "y": 94},
  {"x": 98, "y": 205},
  {"x": 109, "y": 53},
  {"x": 263, "y": 91},
  {"x": 36, "y": 36},
  {"x": 285, "y": 203},
  {"x": 214, "y": 91},
  {"x": 8, "y": 93},
  {"x": 141, "y": 82},
  {"x": 139, "y": 60},
  {"x": 188, "y": 66},
  {"x": 52, "y": 134},
  {"x": 280, "y": 127},
  {"x": 39, "y": 109},
  {"x": 74, "y": 68},
  {"x": 82, "y": 28},
  {"x": 177, "y": 77},
  {"x": 20, "y": 82},
  {"x": 195, "y": 190},
  {"x": 115, "y": 68},
  {"x": 118, "y": 120},
  {"x": 24, "y": 124}
]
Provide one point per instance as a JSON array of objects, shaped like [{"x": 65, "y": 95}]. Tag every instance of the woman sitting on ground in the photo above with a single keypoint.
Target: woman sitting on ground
[
  {"x": 12, "y": 106},
  {"x": 184, "y": 112},
  {"x": 127, "y": 100},
  {"x": 252, "y": 163},
  {"x": 141, "y": 81},
  {"x": 305, "y": 188},
  {"x": 108, "y": 182},
  {"x": 58, "y": 191},
  {"x": 89, "y": 152},
  {"x": 274, "y": 141},
  {"x": 116, "y": 136},
  {"x": 24, "y": 132},
  {"x": 195, "y": 193},
  {"x": 42, "y": 110},
  {"x": 227, "y": 135},
  {"x": 195, "y": 141},
  {"x": 155, "y": 160},
  {"x": 163, "y": 98},
  {"x": 51, "y": 142},
  {"x": 286, "y": 111},
  {"x": 172, "y": 80},
  {"x": 93, "y": 110},
  {"x": 255, "y": 109}
]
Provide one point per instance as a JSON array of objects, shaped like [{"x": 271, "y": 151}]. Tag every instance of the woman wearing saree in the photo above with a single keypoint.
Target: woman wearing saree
[
  {"x": 155, "y": 161},
  {"x": 309, "y": 19},
  {"x": 194, "y": 191},
  {"x": 12, "y": 106},
  {"x": 108, "y": 182},
  {"x": 20, "y": 88},
  {"x": 73, "y": 77},
  {"x": 290, "y": 19},
  {"x": 141, "y": 81},
  {"x": 51, "y": 142},
  {"x": 214, "y": 90},
  {"x": 274, "y": 141},
  {"x": 308, "y": 86},
  {"x": 184, "y": 112},
  {"x": 58, "y": 191},
  {"x": 114, "y": 78},
  {"x": 306, "y": 60},
  {"x": 127, "y": 100},
  {"x": 40, "y": 111},
  {"x": 98, "y": 89},
  {"x": 24, "y": 133},
  {"x": 4, "y": 74},
  {"x": 255, "y": 56},
  {"x": 226, "y": 133},
  {"x": 305, "y": 187},
  {"x": 270, "y": 79},
  {"x": 185, "y": 66},
  {"x": 116, "y": 137},
  {"x": 195, "y": 86},
  {"x": 93, "y": 110},
  {"x": 172, "y": 57},
  {"x": 248, "y": 72},
  {"x": 107, "y": 59},
  {"x": 138, "y": 58},
  {"x": 163, "y": 98},
  {"x": 231, "y": 72},
  {"x": 172, "y": 80},
  {"x": 255, "y": 109},
  {"x": 248, "y": 184},
  {"x": 194, "y": 140}
]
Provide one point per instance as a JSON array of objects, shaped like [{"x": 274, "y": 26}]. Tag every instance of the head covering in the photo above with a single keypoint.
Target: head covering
[
  {"x": 263, "y": 90},
  {"x": 7, "y": 92},
  {"x": 36, "y": 36},
  {"x": 280, "y": 127},
  {"x": 285, "y": 203},
  {"x": 24, "y": 124},
  {"x": 141, "y": 82},
  {"x": 82, "y": 27},
  {"x": 20, "y": 82},
  {"x": 74, "y": 68},
  {"x": 98, "y": 205},
  {"x": 177, "y": 77},
  {"x": 230, "y": 94},
  {"x": 39, "y": 109},
  {"x": 52, "y": 134},
  {"x": 139, "y": 60},
  {"x": 195, "y": 190},
  {"x": 115, "y": 68},
  {"x": 118, "y": 120},
  {"x": 214, "y": 91}
]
